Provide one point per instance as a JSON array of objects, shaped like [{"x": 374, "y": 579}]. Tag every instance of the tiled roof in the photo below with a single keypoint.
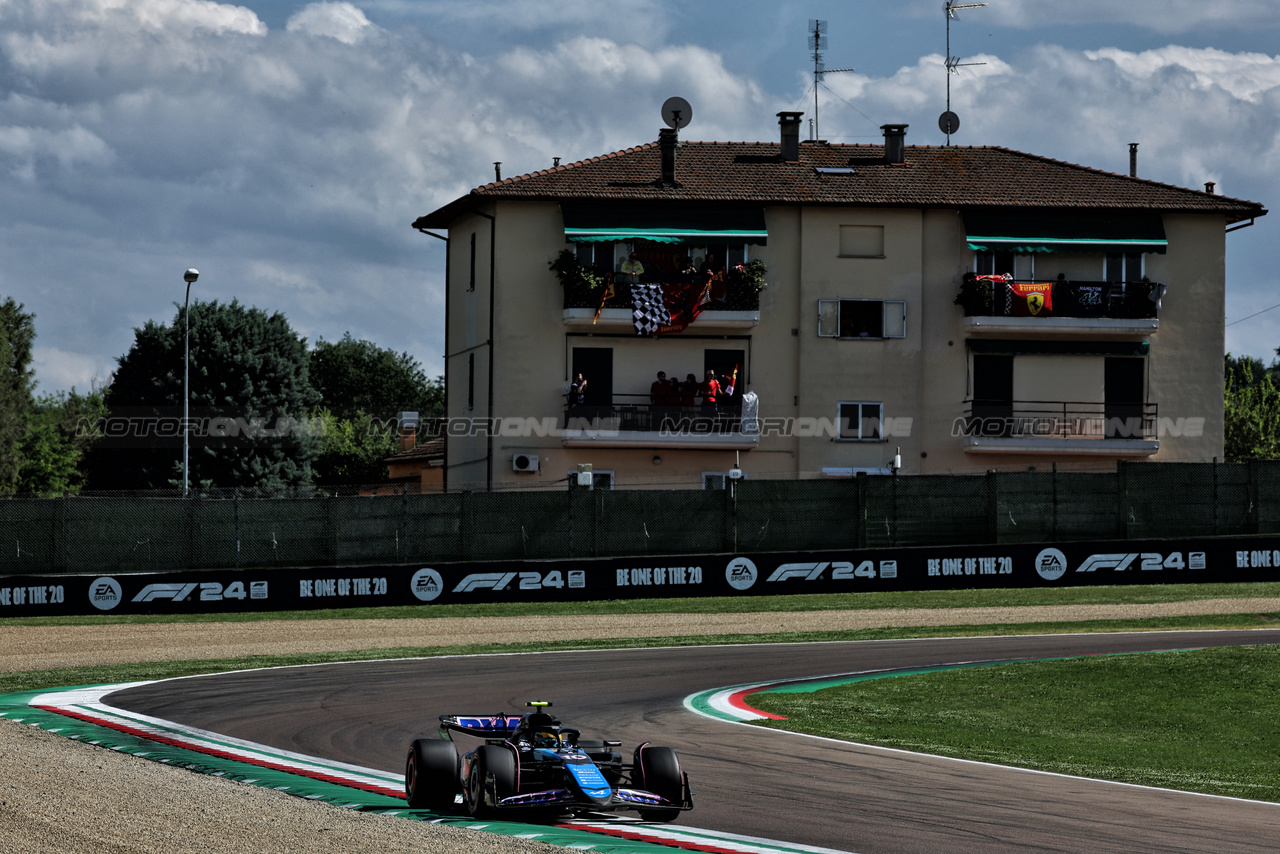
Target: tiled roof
[
  {"x": 428, "y": 450},
  {"x": 932, "y": 176}
]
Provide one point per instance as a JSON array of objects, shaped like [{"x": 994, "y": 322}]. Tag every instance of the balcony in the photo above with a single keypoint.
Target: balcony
[
  {"x": 633, "y": 421},
  {"x": 1059, "y": 428},
  {"x": 996, "y": 306},
  {"x": 732, "y": 301}
]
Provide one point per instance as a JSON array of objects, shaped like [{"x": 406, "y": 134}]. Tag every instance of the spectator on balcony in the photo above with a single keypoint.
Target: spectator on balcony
[
  {"x": 659, "y": 390},
  {"x": 631, "y": 270},
  {"x": 688, "y": 272},
  {"x": 578, "y": 391},
  {"x": 688, "y": 390},
  {"x": 710, "y": 391}
]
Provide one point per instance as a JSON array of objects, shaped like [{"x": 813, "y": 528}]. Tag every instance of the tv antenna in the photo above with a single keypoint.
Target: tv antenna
[
  {"x": 949, "y": 122},
  {"x": 817, "y": 44}
]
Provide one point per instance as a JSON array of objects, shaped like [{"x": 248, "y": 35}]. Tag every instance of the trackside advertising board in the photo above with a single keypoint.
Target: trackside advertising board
[{"x": 934, "y": 568}]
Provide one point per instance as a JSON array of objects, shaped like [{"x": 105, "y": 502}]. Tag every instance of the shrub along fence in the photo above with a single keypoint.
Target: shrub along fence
[{"x": 102, "y": 533}]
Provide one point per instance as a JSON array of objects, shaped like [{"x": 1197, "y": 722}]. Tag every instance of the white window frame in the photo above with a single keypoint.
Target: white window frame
[
  {"x": 1126, "y": 274},
  {"x": 1024, "y": 265},
  {"x": 888, "y": 317},
  {"x": 841, "y": 421}
]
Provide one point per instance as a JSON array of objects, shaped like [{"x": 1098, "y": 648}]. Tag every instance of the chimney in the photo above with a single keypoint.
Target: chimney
[
  {"x": 667, "y": 139},
  {"x": 1208, "y": 187},
  {"x": 408, "y": 431},
  {"x": 895, "y": 143},
  {"x": 790, "y": 124},
  {"x": 1133, "y": 160},
  {"x": 497, "y": 170},
  {"x": 555, "y": 162}
]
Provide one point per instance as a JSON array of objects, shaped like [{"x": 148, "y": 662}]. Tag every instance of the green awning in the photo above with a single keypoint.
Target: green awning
[
  {"x": 1025, "y": 232},
  {"x": 662, "y": 224}
]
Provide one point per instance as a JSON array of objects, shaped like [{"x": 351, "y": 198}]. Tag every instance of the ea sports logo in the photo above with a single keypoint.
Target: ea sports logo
[
  {"x": 1051, "y": 564},
  {"x": 741, "y": 573},
  {"x": 426, "y": 584},
  {"x": 105, "y": 593}
]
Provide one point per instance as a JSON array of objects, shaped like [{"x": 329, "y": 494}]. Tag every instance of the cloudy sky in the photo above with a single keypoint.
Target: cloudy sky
[{"x": 284, "y": 148}]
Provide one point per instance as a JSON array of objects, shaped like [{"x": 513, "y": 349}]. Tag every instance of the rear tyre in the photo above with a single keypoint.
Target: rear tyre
[
  {"x": 431, "y": 775},
  {"x": 493, "y": 777},
  {"x": 659, "y": 772}
]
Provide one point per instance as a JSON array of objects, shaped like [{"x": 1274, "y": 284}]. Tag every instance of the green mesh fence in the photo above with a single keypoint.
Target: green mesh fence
[{"x": 123, "y": 533}]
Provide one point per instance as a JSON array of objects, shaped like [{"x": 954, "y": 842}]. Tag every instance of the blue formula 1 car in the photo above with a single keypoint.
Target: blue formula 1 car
[{"x": 534, "y": 766}]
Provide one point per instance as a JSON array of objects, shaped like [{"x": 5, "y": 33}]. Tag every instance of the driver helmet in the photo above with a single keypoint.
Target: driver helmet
[{"x": 546, "y": 738}]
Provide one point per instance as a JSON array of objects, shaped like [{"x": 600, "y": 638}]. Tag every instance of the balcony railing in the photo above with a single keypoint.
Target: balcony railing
[
  {"x": 740, "y": 294},
  {"x": 1044, "y": 419},
  {"x": 985, "y": 297},
  {"x": 634, "y": 413}
]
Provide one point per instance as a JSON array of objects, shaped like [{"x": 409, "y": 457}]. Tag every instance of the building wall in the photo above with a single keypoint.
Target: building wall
[
  {"x": 922, "y": 380},
  {"x": 872, "y": 370}
]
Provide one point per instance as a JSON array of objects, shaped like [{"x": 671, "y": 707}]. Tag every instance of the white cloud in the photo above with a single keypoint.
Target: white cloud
[
  {"x": 139, "y": 139},
  {"x": 340, "y": 21}
]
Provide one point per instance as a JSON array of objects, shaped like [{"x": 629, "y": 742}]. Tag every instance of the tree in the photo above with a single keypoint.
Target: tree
[
  {"x": 1251, "y": 412},
  {"x": 59, "y": 432},
  {"x": 361, "y": 377},
  {"x": 250, "y": 395},
  {"x": 353, "y": 450},
  {"x": 17, "y": 334}
]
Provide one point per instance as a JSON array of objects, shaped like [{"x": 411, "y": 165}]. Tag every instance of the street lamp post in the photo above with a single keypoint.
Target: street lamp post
[{"x": 189, "y": 277}]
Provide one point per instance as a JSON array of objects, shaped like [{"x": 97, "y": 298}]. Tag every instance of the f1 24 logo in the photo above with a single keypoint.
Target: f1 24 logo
[
  {"x": 1145, "y": 561},
  {"x": 841, "y": 570}
]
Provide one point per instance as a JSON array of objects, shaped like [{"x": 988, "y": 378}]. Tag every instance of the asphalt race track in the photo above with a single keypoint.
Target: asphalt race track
[{"x": 745, "y": 780}]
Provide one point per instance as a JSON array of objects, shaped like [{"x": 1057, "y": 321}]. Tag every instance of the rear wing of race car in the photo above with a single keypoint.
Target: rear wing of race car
[{"x": 480, "y": 726}]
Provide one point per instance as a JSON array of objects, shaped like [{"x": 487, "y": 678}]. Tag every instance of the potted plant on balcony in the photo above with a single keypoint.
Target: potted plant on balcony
[
  {"x": 974, "y": 296},
  {"x": 581, "y": 284},
  {"x": 745, "y": 282}
]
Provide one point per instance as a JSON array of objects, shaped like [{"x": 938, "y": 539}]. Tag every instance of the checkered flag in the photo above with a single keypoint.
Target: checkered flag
[{"x": 650, "y": 312}]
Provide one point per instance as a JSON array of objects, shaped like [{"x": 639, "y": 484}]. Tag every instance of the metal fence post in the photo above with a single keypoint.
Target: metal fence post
[
  {"x": 1055, "y": 501},
  {"x": 1215, "y": 496}
]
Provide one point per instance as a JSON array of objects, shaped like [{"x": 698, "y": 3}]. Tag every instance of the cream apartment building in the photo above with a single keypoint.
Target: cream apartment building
[{"x": 939, "y": 309}]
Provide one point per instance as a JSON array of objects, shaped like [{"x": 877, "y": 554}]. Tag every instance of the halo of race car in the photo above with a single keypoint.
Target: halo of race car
[{"x": 532, "y": 766}]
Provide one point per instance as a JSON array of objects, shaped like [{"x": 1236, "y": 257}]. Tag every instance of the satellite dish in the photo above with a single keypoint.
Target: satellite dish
[
  {"x": 948, "y": 122},
  {"x": 676, "y": 112}
]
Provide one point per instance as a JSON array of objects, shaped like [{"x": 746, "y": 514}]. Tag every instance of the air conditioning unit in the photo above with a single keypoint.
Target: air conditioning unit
[{"x": 524, "y": 462}]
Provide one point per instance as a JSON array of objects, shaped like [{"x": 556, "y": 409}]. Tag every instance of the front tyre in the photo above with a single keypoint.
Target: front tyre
[
  {"x": 431, "y": 775},
  {"x": 659, "y": 772},
  {"x": 493, "y": 777}
]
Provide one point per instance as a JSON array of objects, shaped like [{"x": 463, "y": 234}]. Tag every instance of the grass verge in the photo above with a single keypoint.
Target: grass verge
[{"x": 1202, "y": 721}]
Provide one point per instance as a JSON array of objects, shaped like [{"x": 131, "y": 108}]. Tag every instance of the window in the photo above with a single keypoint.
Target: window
[
  {"x": 1004, "y": 264},
  {"x": 599, "y": 480},
  {"x": 860, "y": 421},
  {"x": 719, "y": 479},
  {"x": 862, "y": 318},
  {"x": 593, "y": 254},
  {"x": 471, "y": 381},
  {"x": 1124, "y": 268},
  {"x": 471, "y": 283},
  {"x": 862, "y": 241}
]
